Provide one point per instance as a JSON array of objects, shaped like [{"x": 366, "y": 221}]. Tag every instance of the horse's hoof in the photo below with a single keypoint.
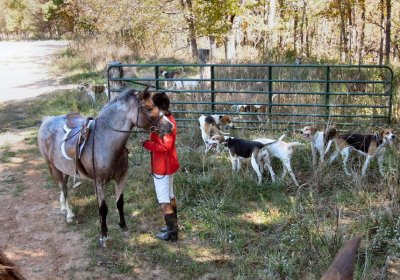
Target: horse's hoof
[{"x": 103, "y": 242}]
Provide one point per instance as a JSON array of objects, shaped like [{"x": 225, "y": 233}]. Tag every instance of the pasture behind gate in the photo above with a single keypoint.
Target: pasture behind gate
[{"x": 294, "y": 95}]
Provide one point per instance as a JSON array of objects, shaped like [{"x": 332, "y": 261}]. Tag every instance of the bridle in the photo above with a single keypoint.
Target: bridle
[{"x": 141, "y": 110}]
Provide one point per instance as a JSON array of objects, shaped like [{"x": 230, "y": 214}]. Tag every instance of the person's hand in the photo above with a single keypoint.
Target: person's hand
[{"x": 143, "y": 140}]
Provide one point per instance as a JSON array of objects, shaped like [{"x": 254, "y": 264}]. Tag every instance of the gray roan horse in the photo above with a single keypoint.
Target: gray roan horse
[{"x": 104, "y": 156}]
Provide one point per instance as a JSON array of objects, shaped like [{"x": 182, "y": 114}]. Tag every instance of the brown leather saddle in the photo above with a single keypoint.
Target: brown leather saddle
[{"x": 78, "y": 130}]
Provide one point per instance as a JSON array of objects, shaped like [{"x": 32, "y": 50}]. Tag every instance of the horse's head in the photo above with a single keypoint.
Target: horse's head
[{"x": 150, "y": 116}]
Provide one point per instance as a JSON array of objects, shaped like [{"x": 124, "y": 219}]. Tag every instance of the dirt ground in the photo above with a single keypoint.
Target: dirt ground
[{"x": 33, "y": 231}]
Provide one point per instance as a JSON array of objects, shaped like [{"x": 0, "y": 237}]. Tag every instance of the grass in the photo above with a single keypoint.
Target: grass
[
  {"x": 231, "y": 227},
  {"x": 6, "y": 154}
]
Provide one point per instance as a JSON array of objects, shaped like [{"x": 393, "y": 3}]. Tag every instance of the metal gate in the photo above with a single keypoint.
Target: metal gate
[{"x": 258, "y": 96}]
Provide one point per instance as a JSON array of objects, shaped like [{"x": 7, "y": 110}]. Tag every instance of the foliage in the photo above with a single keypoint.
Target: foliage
[{"x": 214, "y": 18}]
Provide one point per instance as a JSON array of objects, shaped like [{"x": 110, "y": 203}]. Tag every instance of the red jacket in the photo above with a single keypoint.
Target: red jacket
[{"x": 164, "y": 157}]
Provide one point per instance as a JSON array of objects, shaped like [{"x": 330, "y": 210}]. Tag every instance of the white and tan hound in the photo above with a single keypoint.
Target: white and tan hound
[
  {"x": 370, "y": 146},
  {"x": 320, "y": 141},
  {"x": 279, "y": 149},
  {"x": 210, "y": 126}
]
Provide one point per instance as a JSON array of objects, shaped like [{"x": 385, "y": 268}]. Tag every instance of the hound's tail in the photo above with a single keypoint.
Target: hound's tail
[
  {"x": 293, "y": 144},
  {"x": 224, "y": 133}
]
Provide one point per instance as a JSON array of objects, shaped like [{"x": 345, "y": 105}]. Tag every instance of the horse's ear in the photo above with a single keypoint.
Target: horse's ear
[
  {"x": 145, "y": 94},
  {"x": 342, "y": 266}
]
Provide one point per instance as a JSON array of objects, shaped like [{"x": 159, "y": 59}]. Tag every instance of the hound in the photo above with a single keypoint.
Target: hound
[
  {"x": 240, "y": 149},
  {"x": 261, "y": 111},
  {"x": 92, "y": 90},
  {"x": 169, "y": 75},
  {"x": 320, "y": 141},
  {"x": 240, "y": 108},
  {"x": 210, "y": 125},
  {"x": 370, "y": 146},
  {"x": 279, "y": 149},
  {"x": 187, "y": 84}
]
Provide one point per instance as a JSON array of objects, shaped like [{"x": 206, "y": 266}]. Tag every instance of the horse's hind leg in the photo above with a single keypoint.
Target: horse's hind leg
[
  {"x": 62, "y": 179},
  {"x": 120, "y": 201}
]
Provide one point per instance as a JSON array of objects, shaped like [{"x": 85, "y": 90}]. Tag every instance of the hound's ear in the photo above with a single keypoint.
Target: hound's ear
[
  {"x": 313, "y": 130},
  {"x": 221, "y": 116}
]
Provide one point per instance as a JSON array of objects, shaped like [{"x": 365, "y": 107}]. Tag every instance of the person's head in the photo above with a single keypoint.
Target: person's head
[{"x": 161, "y": 100}]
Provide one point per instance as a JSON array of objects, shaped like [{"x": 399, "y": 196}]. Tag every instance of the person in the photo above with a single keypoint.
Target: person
[{"x": 164, "y": 163}]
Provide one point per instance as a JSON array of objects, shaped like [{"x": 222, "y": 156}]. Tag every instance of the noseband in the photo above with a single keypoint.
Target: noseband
[{"x": 154, "y": 123}]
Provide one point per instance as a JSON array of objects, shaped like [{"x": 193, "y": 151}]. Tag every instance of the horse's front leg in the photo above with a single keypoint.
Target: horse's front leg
[
  {"x": 103, "y": 210},
  {"x": 120, "y": 201}
]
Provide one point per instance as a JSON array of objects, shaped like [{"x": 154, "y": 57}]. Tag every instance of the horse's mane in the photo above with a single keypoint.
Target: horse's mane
[{"x": 122, "y": 98}]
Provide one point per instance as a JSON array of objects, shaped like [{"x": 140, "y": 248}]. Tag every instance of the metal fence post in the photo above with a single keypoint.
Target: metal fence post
[
  {"x": 212, "y": 75},
  {"x": 269, "y": 91},
  {"x": 390, "y": 91},
  {"x": 156, "y": 74},
  {"x": 327, "y": 91}
]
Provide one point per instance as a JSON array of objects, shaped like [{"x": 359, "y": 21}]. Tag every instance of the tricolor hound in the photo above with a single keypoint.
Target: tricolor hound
[
  {"x": 240, "y": 149},
  {"x": 371, "y": 145}
]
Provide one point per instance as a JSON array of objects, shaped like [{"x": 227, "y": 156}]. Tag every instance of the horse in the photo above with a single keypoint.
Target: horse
[{"x": 104, "y": 156}]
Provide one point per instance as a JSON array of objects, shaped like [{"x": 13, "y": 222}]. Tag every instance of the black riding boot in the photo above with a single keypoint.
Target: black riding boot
[
  {"x": 172, "y": 229},
  {"x": 165, "y": 228}
]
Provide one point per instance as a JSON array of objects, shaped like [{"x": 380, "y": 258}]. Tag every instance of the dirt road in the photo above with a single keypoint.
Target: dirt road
[
  {"x": 33, "y": 231},
  {"x": 24, "y": 68}
]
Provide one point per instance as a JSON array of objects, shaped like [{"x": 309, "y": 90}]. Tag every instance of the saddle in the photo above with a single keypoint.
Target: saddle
[{"x": 77, "y": 129}]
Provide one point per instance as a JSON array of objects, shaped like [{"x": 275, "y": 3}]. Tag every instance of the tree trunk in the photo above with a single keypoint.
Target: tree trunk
[
  {"x": 388, "y": 30},
  {"x": 303, "y": 19},
  {"x": 382, "y": 35},
  {"x": 187, "y": 5},
  {"x": 343, "y": 35},
  {"x": 271, "y": 14},
  {"x": 295, "y": 34},
  {"x": 361, "y": 44},
  {"x": 231, "y": 39},
  {"x": 212, "y": 47}
]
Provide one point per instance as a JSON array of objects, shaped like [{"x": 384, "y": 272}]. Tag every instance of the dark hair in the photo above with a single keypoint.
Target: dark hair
[{"x": 161, "y": 100}]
